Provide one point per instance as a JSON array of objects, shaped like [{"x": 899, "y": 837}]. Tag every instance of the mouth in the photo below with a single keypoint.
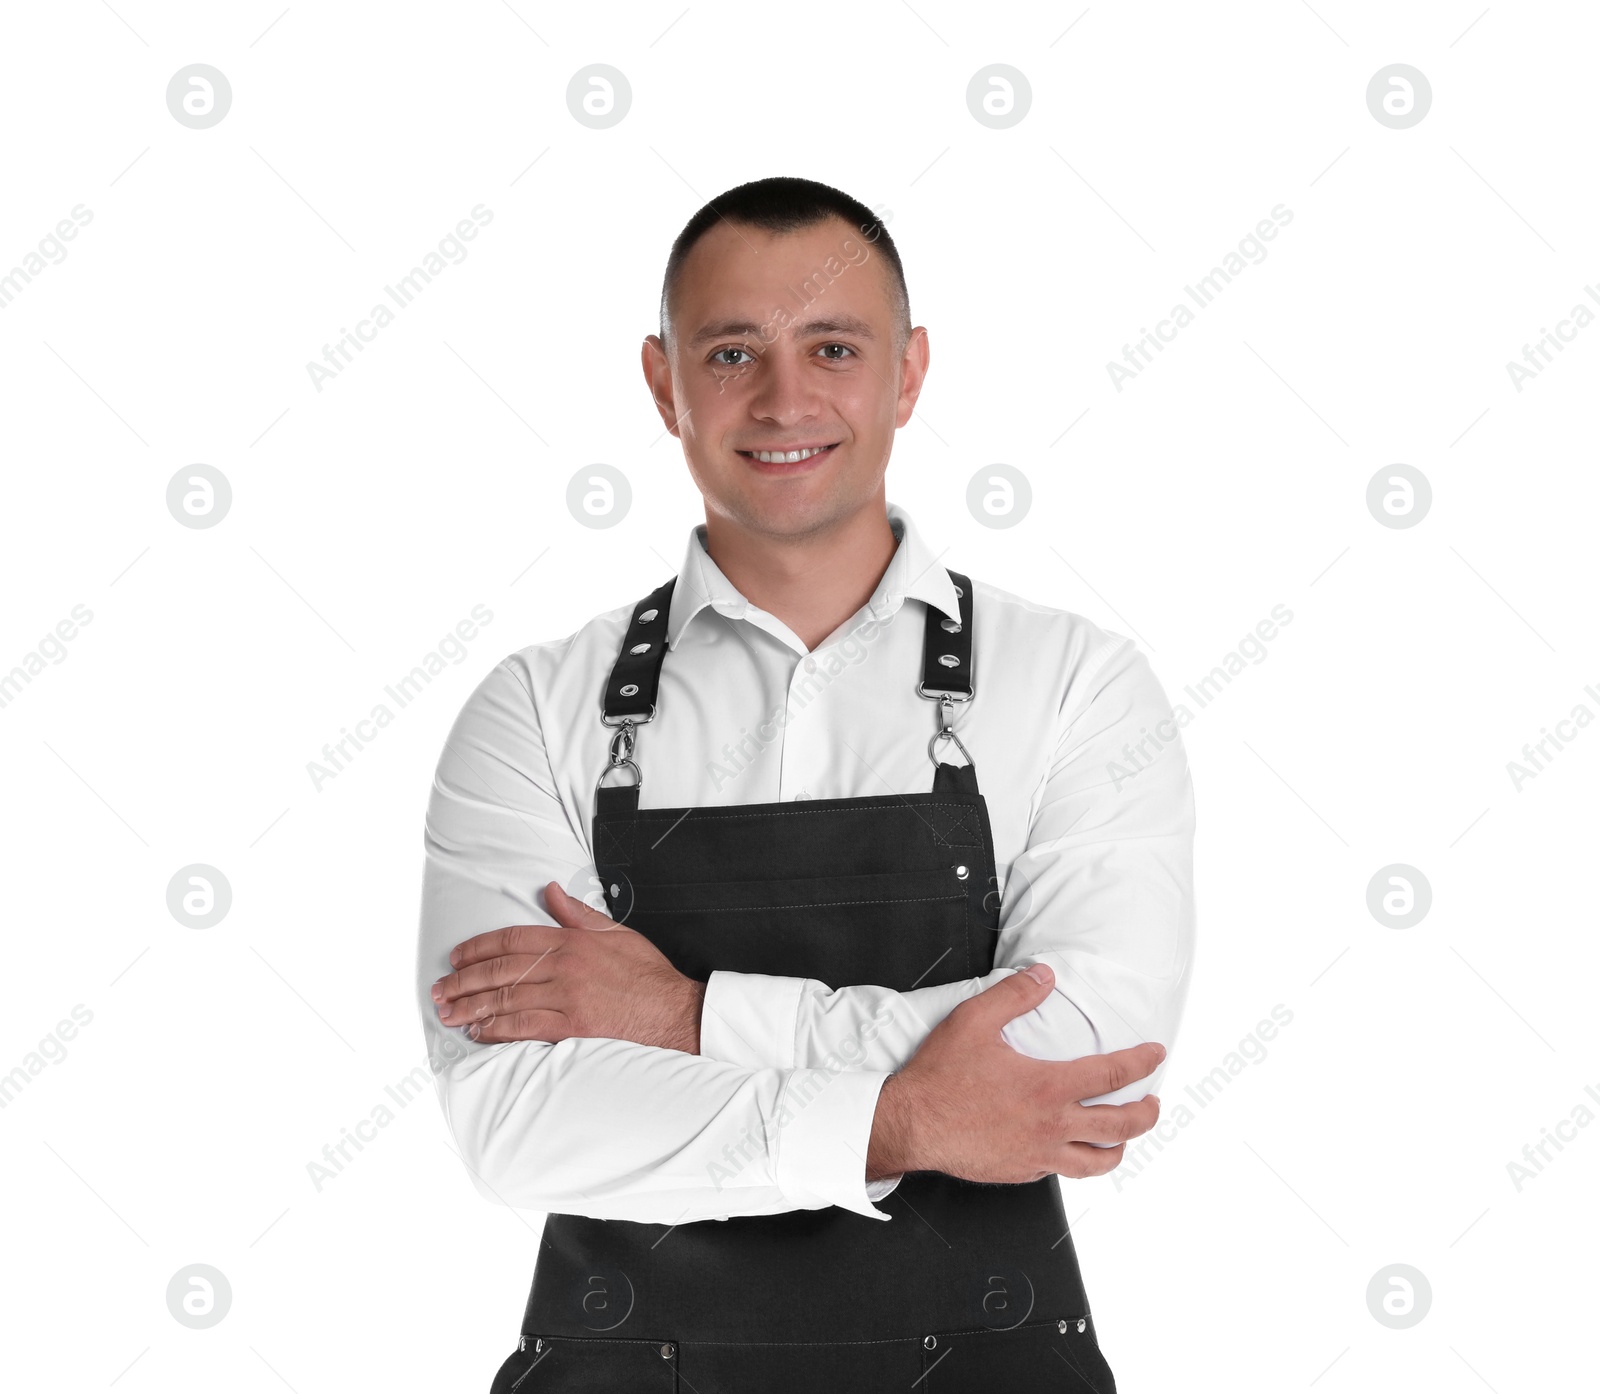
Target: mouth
[{"x": 783, "y": 461}]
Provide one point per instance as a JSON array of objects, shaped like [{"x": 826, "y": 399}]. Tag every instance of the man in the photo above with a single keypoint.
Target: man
[{"x": 795, "y": 1102}]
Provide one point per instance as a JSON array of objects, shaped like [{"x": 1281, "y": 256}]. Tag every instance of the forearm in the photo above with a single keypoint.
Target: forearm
[{"x": 608, "y": 1128}]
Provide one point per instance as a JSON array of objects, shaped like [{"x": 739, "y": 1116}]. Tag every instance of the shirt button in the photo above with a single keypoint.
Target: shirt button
[
  {"x": 811, "y": 664},
  {"x": 802, "y": 795}
]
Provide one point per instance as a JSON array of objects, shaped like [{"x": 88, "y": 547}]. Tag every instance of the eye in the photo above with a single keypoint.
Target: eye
[
  {"x": 845, "y": 347},
  {"x": 722, "y": 362}
]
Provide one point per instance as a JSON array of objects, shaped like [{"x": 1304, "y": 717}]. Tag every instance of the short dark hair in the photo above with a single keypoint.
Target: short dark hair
[{"x": 782, "y": 204}]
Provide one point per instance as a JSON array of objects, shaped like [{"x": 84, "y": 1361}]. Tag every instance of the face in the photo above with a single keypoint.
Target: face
[{"x": 785, "y": 343}]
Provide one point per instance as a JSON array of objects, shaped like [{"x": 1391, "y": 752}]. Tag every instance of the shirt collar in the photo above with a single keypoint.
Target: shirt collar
[{"x": 913, "y": 573}]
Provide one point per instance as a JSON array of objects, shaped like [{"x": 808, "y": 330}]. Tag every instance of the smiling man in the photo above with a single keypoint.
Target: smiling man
[{"x": 796, "y": 1102}]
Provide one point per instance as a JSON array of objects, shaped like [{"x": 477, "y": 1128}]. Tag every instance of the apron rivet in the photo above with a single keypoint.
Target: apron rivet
[
  {"x": 640, "y": 648},
  {"x": 616, "y": 890},
  {"x": 647, "y": 616},
  {"x": 929, "y": 1342},
  {"x": 961, "y": 873},
  {"x": 1081, "y": 1324},
  {"x": 629, "y": 689},
  {"x": 666, "y": 1351},
  {"x": 1061, "y": 1326}
]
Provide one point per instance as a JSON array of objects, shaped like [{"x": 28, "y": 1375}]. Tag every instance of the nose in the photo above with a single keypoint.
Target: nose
[{"x": 785, "y": 394}]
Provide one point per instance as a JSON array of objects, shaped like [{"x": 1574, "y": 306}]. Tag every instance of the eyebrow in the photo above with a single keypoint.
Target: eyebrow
[{"x": 831, "y": 324}]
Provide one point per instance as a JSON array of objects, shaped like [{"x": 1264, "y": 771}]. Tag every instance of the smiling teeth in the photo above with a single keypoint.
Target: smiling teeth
[{"x": 777, "y": 457}]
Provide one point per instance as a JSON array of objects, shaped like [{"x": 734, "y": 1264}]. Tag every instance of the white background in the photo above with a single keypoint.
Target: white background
[{"x": 430, "y": 476}]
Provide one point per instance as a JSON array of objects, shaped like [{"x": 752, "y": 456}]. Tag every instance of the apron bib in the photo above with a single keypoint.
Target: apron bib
[{"x": 969, "y": 1287}]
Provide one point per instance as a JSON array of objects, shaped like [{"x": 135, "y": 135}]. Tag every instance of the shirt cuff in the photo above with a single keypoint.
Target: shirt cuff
[
  {"x": 824, "y": 1125},
  {"x": 749, "y": 1019}
]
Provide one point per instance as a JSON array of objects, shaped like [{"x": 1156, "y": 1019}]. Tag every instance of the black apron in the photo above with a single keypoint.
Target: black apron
[{"x": 967, "y": 1287}]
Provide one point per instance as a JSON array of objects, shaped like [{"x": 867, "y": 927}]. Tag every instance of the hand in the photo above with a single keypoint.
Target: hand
[
  {"x": 586, "y": 975},
  {"x": 969, "y": 1105}
]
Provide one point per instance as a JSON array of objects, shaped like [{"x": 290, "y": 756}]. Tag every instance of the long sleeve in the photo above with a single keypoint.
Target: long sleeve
[
  {"x": 1102, "y": 892},
  {"x": 590, "y": 1126}
]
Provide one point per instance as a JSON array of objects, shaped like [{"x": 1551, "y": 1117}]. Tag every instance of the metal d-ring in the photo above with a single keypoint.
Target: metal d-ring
[
  {"x": 945, "y": 734},
  {"x": 638, "y": 777}
]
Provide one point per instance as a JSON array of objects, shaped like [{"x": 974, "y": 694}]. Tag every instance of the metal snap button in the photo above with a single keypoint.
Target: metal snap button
[
  {"x": 929, "y": 1342},
  {"x": 538, "y": 1345},
  {"x": 666, "y": 1351},
  {"x": 959, "y": 591},
  {"x": 1061, "y": 1326},
  {"x": 629, "y": 689},
  {"x": 961, "y": 873},
  {"x": 640, "y": 648},
  {"x": 1082, "y": 1324},
  {"x": 647, "y": 616},
  {"x": 949, "y": 660},
  {"x": 950, "y": 626},
  {"x": 522, "y": 1343}
]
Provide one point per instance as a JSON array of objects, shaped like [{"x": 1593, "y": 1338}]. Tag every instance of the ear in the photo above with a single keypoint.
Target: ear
[
  {"x": 658, "y": 375},
  {"x": 913, "y": 372}
]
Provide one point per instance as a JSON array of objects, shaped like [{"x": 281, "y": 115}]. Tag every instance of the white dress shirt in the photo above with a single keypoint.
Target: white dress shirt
[{"x": 1080, "y": 763}]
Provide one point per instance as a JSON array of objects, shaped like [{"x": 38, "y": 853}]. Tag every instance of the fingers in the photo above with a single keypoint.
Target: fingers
[
  {"x": 496, "y": 1002},
  {"x": 513, "y": 939},
  {"x": 1104, "y": 1074},
  {"x": 533, "y": 1025},
  {"x": 1114, "y": 1122},
  {"x": 1010, "y": 997},
  {"x": 1079, "y": 1159},
  {"x": 508, "y": 971},
  {"x": 573, "y": 913}
]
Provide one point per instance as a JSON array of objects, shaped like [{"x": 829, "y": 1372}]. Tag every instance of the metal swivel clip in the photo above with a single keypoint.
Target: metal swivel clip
[
  {"x": 946, "y": 732},
  {"x": 622, "y": 752}
]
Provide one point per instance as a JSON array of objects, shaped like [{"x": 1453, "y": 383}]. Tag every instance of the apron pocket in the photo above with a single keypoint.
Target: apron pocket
[
  {"x": 1029, "y": 1359},
  {"x": 588, "y": 1365},
  {"x": 808, "y": 927}
]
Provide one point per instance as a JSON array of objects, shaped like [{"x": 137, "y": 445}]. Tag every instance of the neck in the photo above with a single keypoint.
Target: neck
[{"x": 812, "y": 583}]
